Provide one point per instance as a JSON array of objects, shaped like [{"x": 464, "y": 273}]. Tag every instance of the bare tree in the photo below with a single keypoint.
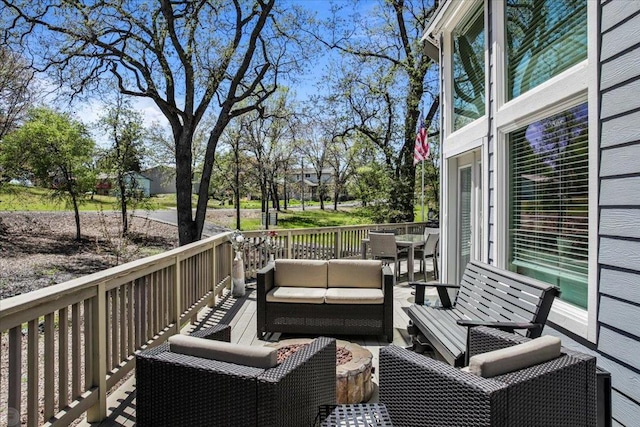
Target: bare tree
[
  {"x": 315, "y": 149},
  {"x": 122, "y": 159},
  {"x": 385, "y": 82},
  {"x": 266, "y": 135},
  {"x": 17, "y": 91},
  {"x": 341, "y": 158},
  {"x": 189, "y": 57}
]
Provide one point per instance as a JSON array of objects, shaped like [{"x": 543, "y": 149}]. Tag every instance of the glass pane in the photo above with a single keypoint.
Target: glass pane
[
  {"x": 468, "y": 70},
  {"x": 544, "y": 38},
  {"x": 464, "y": 200},
  {"x": 548, "y": 221}
]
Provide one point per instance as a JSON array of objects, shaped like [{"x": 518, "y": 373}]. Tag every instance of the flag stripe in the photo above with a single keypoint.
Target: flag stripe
[{"x": 421, "y": 147}]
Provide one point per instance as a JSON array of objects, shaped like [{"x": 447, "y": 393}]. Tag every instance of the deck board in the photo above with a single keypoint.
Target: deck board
[{"x": 240, "y": 313}]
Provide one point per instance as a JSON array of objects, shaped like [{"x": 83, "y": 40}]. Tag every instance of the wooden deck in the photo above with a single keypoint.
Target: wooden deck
[{"x": 240, "y": 313}]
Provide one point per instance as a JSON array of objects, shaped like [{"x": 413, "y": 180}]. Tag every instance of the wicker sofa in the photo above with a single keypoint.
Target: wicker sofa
[
  {"x": 176, "y": 389},
  {"x": 338, "y": 296},
  {"x": 420, "y": 391}
]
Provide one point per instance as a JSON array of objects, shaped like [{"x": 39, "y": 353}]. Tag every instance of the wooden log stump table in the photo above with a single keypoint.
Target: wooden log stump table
[{"x": 353, "y": 368}]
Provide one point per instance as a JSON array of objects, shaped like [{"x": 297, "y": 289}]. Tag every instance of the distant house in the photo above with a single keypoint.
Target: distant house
[
  {"x": 107, "y": 186},
  {"x": 540, "y": 173},
  {"x": 163, "y": 179},
  {"x": 305, "y": 181}
]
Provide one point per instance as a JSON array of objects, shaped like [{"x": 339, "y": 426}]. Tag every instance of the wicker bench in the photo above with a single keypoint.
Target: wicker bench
[
  {"x": 350, "y": 297},
  {"x": 487, "y": 296}
]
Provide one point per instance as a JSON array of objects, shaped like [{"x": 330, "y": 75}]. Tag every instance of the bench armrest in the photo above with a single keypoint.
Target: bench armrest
[
  {"x": 443, "y": 294},
  {"x": 264, "y": 283},
  {"x": 504, "y": 326}
]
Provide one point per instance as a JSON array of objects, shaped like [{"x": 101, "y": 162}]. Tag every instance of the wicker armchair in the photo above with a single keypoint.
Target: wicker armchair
[
  {"x": 176, "y": 389},
  {"x": 420, "y": 391}
]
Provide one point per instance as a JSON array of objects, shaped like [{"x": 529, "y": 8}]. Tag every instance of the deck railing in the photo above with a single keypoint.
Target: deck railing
[{"x": 65, "y": 346}]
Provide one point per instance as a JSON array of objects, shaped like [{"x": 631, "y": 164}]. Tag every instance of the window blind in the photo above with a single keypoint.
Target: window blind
[
  {"x": 465, "y": 220},
  {"x": 468, "y": 70},
  {"x": 544, "y": 38},
  {"x": 549, "y": 192}
]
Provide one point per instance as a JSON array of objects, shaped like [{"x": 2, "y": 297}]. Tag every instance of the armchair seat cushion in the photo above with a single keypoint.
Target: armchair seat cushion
[
  {"x": 246, "y": 355},
  {"x": 301, "y": 273},
  {"x": 298, "y": 295},
  {"x": 354, "y": 296},
  {"x": 498, "y": 362},
  {"x": 354, "y": 273}
]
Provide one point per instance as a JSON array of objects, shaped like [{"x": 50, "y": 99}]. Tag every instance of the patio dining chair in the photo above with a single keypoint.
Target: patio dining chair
[
  {"x": 428, "y": 251},
  {"x": 383, "y": 247}
]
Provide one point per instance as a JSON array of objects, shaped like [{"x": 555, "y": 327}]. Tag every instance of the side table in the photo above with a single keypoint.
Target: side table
[{"x": 365, "y": 415}]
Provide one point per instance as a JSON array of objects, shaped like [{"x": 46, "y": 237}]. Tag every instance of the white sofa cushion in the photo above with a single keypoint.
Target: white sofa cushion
[
  {"x": 246, "y": 355},
  {"x": 301, "y": 273},
  {"x": 354, "y": 296},
  {"x": 354, "y": 273},
  {"x": 516, "y": 357},
  {"x": 296, "y": 295}
]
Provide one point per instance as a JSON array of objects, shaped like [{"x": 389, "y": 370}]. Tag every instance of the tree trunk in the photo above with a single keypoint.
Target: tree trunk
[
  {"x": 76, "y": 212},
  {"x": 286, "y": 196},
  {"x": 236, "y": 184},
  {"x": 123, "y": 205},
  {"x": 187, "y": 232}
]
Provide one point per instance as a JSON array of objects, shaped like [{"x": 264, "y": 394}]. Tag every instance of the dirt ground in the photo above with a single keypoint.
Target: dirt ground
[{"x": 39, "y": 249}]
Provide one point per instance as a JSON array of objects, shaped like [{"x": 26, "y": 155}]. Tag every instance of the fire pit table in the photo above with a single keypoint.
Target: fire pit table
[{"x": 353, "y": 368}]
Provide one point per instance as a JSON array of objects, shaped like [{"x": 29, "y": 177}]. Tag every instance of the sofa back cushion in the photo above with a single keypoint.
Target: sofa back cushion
[
  {"x": 246, "y": 355},
  {"x": 355, "y": 273},
  {"x": 301, "y": 273},
  {"x": 516, "y": 357}
]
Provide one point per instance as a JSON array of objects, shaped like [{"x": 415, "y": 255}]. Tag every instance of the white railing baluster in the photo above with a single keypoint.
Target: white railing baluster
[
  {"x": 33, "y": 376},
  {"x": 15, "y": 374},
  {"x": 49, "y": 359},
  {"x": 63, "y": 357}
]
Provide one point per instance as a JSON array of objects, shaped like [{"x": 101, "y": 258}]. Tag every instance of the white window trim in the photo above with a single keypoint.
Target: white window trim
[
  {"x": 467, "y": 138},
  {"x": 594, "y": 167},
  {"x": 566, "y": 89},
  {"x": 460, "y": 12},
  {"x": 450, "y": 189}
]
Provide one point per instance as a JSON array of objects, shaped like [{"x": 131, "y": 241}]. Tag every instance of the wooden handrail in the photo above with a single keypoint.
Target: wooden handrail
[{"x": 82, "y": 334}]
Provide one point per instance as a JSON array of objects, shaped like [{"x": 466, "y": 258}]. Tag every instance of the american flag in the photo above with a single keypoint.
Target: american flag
[{"x": 421, "y": 148}]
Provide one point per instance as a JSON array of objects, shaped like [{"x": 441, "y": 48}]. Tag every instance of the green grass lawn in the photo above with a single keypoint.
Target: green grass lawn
[
  {"x": 17, "y": 198},
  {"x": 318, "y": 218}
]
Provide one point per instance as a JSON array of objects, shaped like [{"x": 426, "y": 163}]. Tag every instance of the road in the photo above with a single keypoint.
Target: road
[{"x": 170, "y": 216}]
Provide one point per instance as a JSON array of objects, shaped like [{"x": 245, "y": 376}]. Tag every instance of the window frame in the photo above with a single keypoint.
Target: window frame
[
  {"x": 468, "y": 14},
  {"x": 561, "y": 92},
  {"x": 476, "y": 130}
]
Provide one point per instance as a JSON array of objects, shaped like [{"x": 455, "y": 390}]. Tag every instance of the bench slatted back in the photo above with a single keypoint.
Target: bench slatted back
[{"x": 488, "y": 293}]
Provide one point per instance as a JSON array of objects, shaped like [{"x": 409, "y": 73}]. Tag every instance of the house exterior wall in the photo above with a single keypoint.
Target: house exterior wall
[
  {"x": 618, "y": 344},
  {"x": 163, "y": 180},
  {"x": 613, "y": 90}
]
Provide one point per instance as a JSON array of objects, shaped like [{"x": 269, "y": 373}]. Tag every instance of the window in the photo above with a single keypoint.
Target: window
[
  {"x": 544, "y": 38},
  {"x": 468, "y": 70},
  {"x": 548, "y": 203}
]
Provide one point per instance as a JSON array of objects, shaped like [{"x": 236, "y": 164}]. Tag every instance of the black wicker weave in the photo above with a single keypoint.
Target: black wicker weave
[
  {"x": 419, "y": 391},
  {"x": 181, "y": 390},
  {"x": 324, "y": 319},
  {"x": 219, "y": 332},
  {"x": 359, "y": 415}
]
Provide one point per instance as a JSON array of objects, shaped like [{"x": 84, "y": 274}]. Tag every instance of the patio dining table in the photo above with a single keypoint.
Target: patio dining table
[{"x": 410, "y": 241}]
